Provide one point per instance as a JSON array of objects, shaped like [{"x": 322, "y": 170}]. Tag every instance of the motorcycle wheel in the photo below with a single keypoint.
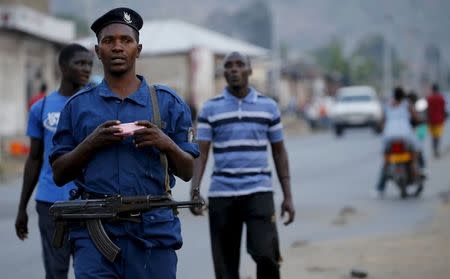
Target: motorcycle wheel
[
  {"x": 419, "y": 189},
  {"x": 403, "y": 192}
]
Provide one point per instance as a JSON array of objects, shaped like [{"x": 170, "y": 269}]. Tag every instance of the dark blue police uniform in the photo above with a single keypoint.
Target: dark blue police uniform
[{"x": 121, "y": 168}]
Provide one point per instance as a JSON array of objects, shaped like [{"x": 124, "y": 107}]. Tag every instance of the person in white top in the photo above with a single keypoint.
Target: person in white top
[{"x": 396, "y": 124}]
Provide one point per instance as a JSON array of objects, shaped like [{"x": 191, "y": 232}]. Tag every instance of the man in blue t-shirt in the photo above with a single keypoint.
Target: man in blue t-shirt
[
  {"x": 75, "y": 63},
  {"x": 240, "y": 124}
]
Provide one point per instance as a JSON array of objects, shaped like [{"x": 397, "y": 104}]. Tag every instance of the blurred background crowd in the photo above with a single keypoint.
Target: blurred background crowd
[{"x": 302, "y": 51}]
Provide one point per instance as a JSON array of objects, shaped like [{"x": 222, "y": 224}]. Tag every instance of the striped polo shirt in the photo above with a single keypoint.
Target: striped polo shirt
[{"x": 240, "y": 131}]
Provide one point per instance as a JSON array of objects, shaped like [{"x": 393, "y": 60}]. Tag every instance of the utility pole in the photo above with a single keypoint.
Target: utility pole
[
  {"x": 387, "y": 58},
  {"x": 274, "y": 79}
]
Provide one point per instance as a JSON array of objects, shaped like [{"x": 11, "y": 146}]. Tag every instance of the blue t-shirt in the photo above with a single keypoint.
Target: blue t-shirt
[
  {"x": 122, "y": 168},
  {"x": 240, "y": 131},
  {"x": 42, "y": 122}
]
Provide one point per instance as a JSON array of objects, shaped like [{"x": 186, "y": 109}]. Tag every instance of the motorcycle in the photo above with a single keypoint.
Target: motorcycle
[{"x": 399, "y": 169}]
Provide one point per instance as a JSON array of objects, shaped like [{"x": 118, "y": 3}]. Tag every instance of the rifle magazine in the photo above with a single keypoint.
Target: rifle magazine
[{"x": 101, "y": 240}]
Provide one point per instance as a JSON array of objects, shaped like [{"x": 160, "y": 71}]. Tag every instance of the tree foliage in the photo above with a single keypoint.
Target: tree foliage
[
  {"x": 331, "y": 58},
  {"x": 364, "y": 65}
]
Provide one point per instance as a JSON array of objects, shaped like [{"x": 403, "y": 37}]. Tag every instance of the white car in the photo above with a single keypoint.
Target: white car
[{"x": 356, "y": 106}]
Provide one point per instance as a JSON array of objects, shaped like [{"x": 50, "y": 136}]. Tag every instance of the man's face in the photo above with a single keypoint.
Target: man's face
[
  {"x": 237, "y": 70},
  {"x": 78, "y": 68},
  {"x": 118, "y": 48}
]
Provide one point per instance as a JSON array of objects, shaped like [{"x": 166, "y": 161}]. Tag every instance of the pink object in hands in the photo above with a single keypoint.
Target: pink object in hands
[{"x": 127, "y": 129}]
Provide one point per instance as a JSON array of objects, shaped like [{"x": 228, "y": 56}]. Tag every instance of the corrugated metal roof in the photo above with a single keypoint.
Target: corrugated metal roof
[
  {"x": 174, "y": 36},
  {"x": 30, "y": 21}
]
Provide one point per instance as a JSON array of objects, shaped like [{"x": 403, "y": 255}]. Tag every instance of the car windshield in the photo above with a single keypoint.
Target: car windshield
[{"x": 354, "y": 98}]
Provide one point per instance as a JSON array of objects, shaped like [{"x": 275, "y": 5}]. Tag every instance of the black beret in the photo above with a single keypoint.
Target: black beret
[{"x": 118, "y": 15}]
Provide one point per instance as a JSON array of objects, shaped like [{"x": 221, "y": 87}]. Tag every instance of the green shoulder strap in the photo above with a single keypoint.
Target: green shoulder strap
[{"x": 157, "y": 122}]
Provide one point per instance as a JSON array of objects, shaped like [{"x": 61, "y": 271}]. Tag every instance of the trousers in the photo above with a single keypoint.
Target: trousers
[
  {"x": 56, "y": 260},
  {"x": 227, "y": 216}
]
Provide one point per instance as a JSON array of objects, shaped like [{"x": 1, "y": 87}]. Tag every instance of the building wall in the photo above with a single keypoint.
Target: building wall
[
  {"x": 171, "y": 70},
  {"x": 26, "y": 63},
  {"x": 294, "y": 93},
  {"x": 196, "y": 81},
  {"x": 202, "y": 83}
]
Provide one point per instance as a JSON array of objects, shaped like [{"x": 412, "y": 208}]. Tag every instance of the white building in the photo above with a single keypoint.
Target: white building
[
  {"x": 188, "y": 57},
  {"x": 29, "y": 45}
]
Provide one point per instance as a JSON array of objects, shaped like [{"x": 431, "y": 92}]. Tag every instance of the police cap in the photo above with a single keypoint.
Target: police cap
[{"x": 118, "y": 15}]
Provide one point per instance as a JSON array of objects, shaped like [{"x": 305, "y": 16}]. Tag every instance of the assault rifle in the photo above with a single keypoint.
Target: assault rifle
[{"x": 115, "y": 208}]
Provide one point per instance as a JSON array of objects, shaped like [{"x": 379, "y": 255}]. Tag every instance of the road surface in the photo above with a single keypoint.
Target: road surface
[{"x": 333, "y": 181}]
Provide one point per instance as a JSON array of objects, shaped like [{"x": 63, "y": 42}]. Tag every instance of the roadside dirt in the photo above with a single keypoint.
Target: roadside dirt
[{"x": 414, "y": 255}]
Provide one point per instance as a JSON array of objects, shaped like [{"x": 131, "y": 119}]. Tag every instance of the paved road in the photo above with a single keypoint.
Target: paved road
[{"x": 333, "y": 181}]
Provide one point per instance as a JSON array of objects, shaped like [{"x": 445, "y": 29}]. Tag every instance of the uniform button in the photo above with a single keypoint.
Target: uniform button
[
  {"x": 118, "y": 101},
  {"x": 152, "y": 217},
  {"x": 148, "y": 174}
]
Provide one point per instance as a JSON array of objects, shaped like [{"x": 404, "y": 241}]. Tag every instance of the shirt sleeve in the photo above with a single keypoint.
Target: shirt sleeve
[
  {"x": 204, "y": 128},
  {"x": 35, "y": 129},
  {"x": 183, "y": 134},
  {"x": 275, "y": 132},
  {"x": 63, "y": 139}
]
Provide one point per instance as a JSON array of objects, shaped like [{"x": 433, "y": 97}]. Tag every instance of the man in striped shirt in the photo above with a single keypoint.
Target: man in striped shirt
[{"x": 240, "y": 123}]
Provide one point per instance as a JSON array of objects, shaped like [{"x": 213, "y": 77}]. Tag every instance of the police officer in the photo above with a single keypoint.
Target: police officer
[
  {"x": 75, "y": 63},
  {"x": 91, "y": 149}
]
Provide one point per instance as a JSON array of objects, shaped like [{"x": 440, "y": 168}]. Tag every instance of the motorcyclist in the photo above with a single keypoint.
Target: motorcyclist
[
  {"x": 420, "y": 128},
  {"x": 396, "y": 124}
]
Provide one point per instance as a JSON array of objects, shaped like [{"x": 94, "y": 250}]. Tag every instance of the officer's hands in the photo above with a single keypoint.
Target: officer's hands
[
  {"x": 195, "y": 195},
  {"x": 288, "y": 207},
  {"x": 22, "y": 225},
  {"x": 104, "y": 134},
  {"x": 151, "y": 135}
]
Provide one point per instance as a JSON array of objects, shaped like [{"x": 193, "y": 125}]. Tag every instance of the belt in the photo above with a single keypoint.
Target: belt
[
  {"x": 90, "y": 195},
  {"x": 84, "y": 195}
]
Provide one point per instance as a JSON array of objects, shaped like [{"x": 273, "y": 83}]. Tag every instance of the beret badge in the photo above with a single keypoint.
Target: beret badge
[{"x": 127, "y": 17}]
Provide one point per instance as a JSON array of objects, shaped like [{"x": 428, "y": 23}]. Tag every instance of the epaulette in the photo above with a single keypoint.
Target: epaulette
[
  {"x": 87, "y": 88},
  {"x": 83, "y": 90},
  {"x": 166, "y": 89}
]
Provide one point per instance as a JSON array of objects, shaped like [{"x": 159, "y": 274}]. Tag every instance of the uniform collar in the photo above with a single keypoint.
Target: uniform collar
[
  {"x": 139, "y": 97},
  {"x": 250, "y": 98}
]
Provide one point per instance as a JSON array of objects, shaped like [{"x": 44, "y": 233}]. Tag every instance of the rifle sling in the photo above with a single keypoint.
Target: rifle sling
[{"x": 157, "y": 122}]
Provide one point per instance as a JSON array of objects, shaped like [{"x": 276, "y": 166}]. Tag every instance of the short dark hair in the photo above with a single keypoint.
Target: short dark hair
[
  {"x": 68, "y": 52},
  {"x": 435, "y": 87},
  {"x": 412, "y": 96},
  {"x": 245, "y": 57},
  {"x": 399, "y": 94},
  {"x": 43, "y": 87}
]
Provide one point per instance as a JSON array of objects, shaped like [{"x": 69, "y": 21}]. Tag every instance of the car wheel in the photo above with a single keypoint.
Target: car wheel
[
  {"x": 377, "y": 129},
  {"x": 338, "y": 131}
]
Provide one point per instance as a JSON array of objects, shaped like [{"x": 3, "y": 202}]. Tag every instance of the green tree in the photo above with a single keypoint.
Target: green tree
[
  {"x": 362, "y": 70},
  {"x": 367, "y": 61},
  {"x": 331, "y": 58}
]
